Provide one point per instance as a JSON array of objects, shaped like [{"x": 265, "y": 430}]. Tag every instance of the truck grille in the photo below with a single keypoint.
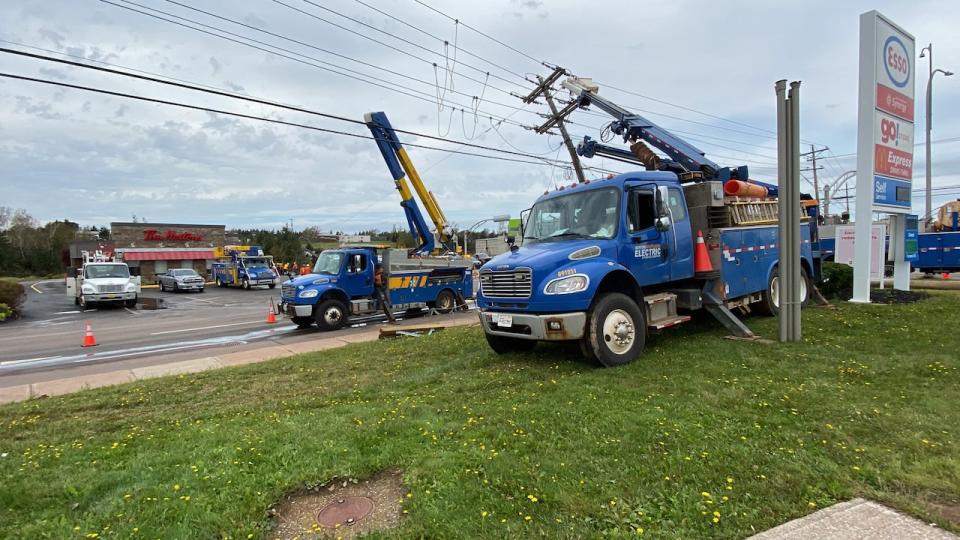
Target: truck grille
[
  {"x": 517, "y": 283},
  {"x": 287, "y": 290},
  {"x": 110, "y": 288}
]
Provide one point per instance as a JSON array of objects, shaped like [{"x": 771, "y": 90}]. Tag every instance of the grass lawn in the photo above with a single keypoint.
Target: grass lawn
[{"x": 705, "y": 437}]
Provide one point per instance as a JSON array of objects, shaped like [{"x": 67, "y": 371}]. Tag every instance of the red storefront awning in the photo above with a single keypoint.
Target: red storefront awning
[{"x": 172, "y": 255}]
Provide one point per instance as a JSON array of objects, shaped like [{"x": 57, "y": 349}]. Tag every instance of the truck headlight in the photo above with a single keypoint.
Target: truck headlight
[
  {"x": 309, "y": 293},
  {"x": 89, "y": 289},
  {"x": 131, "y": 287},
  {"x": 567, "y": 285}
]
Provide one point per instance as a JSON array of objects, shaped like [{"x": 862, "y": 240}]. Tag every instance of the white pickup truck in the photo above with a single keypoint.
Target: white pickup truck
[{"x": 103, "y": 281}]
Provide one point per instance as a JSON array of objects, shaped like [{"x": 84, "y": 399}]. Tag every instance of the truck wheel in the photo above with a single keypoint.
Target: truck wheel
[
  {"x": 76, "y": 301},
  {"x": 504, "y": 345},
  {"x": 84, "y": 305},
  {"x": 272, "y": 285},
  {"x": 331, "y": 315},
  {"x": 444, "y": 302},
  {"x": 246, "y": 284},
  {"x": 616, "y": 330},
  {"x": 132, "y": 302},
  {"x": 303, "y": 322},
  {"x": 220, "y": 283},
  {"x": 770, "y": 303}
]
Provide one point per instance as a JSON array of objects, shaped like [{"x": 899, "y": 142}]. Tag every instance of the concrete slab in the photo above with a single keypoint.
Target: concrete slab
[
  {"x": 856, "y": 519},
  {"x": 177, "y": 368},
  {"x": 314, "y": 346},
  {"x": 14, "y": 393},
  {"x": 59, "y": 387}
]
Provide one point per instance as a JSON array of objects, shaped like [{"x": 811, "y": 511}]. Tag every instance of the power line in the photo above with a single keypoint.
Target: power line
[
  {"x": 388, "y": 85},
  {"x": 542, "y": 161},
  {"x": 250, "y": 99}
]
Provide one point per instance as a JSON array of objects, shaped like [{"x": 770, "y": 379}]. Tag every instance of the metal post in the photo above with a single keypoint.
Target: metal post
[
  {"x": 788, "y": 170},
  {"x": 929, "y": 198},
  {"x": 826, "y": 201},
  {"x": 793, "y": 202}
]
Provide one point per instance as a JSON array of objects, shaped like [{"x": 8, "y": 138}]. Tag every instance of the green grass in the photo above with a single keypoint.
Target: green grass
[{"x": 543, "y": 444}]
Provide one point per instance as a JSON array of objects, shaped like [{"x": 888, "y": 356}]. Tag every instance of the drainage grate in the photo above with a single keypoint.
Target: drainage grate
[{"x": 347, "y": 511}]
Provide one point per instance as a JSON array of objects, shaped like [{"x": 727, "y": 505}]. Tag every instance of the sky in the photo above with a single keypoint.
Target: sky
[{"x": 704, "y": 69}]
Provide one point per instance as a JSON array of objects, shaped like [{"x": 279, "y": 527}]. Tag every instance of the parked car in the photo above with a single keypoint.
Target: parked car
[
  {"x": 480, "y": 259},
  {"x": 183, "y": 279}
]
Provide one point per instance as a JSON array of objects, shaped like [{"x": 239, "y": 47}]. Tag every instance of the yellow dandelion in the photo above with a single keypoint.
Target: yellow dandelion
[{"x": 484, "y": 514}]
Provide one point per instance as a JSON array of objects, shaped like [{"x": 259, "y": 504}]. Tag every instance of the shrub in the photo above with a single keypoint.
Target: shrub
[
  {"x": 5, "y": 312},
  {"x": 837, "y": 279},
  {"x": 12, "y": 294}
]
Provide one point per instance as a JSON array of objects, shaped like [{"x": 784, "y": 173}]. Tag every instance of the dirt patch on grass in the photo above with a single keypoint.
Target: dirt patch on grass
[
  {"x": 948, "y": 511},
  {"x": 296, "y": 513}
]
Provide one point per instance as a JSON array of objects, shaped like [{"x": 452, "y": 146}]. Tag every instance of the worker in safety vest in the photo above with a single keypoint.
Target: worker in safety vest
[{"x": 381, "y": 292}]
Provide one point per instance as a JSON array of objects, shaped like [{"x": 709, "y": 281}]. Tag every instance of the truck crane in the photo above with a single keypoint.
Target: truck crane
[
  {"x": 607, "y": 262},
  {"x": 344, "y": 281}
]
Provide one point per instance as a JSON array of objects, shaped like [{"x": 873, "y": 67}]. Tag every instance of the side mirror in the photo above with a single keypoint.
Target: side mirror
[
  {"x": 663, "y": 223},
  {"x": 661, "y": 205}
]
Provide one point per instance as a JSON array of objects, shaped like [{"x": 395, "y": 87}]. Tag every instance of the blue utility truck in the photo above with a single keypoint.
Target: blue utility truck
[
  {"x": 607, "y": 262},
  {"x": 343, "y": 280},
  {"x": 244, "y": 266}
]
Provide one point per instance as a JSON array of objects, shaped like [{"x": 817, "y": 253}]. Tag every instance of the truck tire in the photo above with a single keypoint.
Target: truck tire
[
  {"x": 303, "y": 322},
  {"x": 246, "y": 284},
  {"x": 132, "y": 303},
  {"x": 160, "y": 285},
  {"x": 220, "y": 283},
  {"x": 616, "y": 330},
  {"x": 331, "y": 314},
  {"x": 272, "y": 285},
  {"x": 84, "y": 305},
  {"x": 76, "y": 300},
  {"x": 445, "y": 302},
  {"x": 770, "y": 303},
  {"x": 504, "y": 345}
]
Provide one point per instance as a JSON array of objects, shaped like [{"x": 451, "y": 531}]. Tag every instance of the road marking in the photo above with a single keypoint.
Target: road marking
[
  {"x": 66, "y": 312},
  {"x": 202, "y": 328},
  {"x": 131, "y": 311},
  {"x": 34, "y": 287}
]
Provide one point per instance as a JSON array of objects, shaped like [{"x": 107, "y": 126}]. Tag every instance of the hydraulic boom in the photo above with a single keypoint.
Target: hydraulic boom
[{"x": 402, "y": 168}]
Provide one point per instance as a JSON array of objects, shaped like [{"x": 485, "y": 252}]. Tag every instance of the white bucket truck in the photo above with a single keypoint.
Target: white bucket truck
[{"x": 103, "y": 280}]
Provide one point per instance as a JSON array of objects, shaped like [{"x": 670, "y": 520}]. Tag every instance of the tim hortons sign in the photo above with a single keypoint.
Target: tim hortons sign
[{"x": 153, "y": 235}]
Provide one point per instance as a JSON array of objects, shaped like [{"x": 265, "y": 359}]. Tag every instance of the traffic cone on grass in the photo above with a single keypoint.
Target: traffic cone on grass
[
  {"x": 701, "y": 258},
  {"x": 88, "y": 339},
  {"x": 271, "y": 315},
  {"x": 946, "y": 275}
]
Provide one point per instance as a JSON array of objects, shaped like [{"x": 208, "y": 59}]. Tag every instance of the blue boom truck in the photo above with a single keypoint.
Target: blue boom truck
[
  {"x": 607, "y": 262},
  {"x": 343, "y": 280}
]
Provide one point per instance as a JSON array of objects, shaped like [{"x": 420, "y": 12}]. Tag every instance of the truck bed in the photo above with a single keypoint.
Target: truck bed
[{"x": 748, "y": 255}]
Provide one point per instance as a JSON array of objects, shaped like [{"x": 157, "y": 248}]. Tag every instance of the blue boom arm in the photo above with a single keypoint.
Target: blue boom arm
[{"x": 634, "y": 128}]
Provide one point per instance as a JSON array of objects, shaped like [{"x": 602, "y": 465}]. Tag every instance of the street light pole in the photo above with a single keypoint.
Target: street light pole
[{"x": 927, "y": 52}]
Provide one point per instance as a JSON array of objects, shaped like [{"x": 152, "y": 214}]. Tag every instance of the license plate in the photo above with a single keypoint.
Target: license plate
[
  {"x": 111, "y": 296},
  {"x": 504, "y": 320}
]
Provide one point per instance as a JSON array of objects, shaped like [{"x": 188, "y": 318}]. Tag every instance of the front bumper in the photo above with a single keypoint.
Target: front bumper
[
  {"x": 109, "y": 297},
  {"x": 295, "y": 310},
  {"x": 190, "y": 286},
  {"x": 536, "y": 327}
]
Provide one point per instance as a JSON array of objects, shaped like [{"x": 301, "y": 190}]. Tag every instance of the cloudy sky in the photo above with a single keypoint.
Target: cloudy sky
[{"x": 703, "y": 68}]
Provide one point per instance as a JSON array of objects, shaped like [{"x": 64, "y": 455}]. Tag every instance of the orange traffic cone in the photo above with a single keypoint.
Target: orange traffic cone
[
  {"x": 88, "y": 339},
  {"x": 701, "y": 259},
  {"x": 946, "y": 275},
  {"x": 271, "y": 315}
]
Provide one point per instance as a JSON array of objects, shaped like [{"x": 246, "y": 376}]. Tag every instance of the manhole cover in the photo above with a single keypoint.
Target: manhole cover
[{"x": 347, "y": 511}]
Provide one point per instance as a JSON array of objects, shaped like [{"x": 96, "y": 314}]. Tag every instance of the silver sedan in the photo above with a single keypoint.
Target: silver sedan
[{"x": 183, "y": 279}]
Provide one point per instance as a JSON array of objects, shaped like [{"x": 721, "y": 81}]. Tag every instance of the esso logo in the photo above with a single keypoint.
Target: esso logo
[
  {"x": 889, "y": 131},
  {"x": 896, "y": 61}
]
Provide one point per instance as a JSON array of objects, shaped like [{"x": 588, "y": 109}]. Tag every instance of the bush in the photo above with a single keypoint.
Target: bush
[
  {"x": 837, "y": 279},
  {"x": 5, "y": 312},
  {"x": 12, "y": 294}
]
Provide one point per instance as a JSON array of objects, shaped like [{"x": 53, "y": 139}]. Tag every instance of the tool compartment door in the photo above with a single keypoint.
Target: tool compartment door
[
  {"x": 931, "y": 256},
  {"x": 950, "y": 250},
  {"x": 73, "y": 287}
]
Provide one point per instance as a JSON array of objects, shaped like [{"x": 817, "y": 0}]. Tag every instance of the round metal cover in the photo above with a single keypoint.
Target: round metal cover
[{"x": 346, "y": 511}]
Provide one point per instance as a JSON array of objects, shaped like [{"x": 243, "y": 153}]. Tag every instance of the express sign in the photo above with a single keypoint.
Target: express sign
[{"x": 886, "y": 131}]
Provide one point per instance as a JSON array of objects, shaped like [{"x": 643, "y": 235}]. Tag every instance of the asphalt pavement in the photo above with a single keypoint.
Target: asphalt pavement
[{"x": 46, "y": 341}]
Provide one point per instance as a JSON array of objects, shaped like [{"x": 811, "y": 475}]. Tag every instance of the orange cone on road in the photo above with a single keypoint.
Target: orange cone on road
[
  {"x": 701, "y": 258},
  {"x": 88, "y": 339},
  {"x": 271, "y": 315}
]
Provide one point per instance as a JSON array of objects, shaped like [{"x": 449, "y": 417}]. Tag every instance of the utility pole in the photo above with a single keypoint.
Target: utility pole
[
  {"x": 557, "y": 117},
  {"x": 812, "y": 158}
]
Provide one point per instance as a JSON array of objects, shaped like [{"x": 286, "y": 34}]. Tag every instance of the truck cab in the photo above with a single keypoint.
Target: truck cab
[
  {"x": 342, "y": 282},
  {"x": 103, "y": 281}
]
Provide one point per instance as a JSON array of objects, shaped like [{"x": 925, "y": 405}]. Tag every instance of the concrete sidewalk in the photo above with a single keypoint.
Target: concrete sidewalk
[
  {"x": 204, "y": 362},
  {"x": 854, "y": 520}
]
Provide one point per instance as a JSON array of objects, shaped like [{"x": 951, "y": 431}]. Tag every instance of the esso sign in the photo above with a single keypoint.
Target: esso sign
[{"x": 896, "y": 61}]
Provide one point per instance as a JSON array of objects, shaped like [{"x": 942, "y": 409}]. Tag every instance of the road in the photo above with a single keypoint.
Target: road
[{"x": 49, "y": 335}]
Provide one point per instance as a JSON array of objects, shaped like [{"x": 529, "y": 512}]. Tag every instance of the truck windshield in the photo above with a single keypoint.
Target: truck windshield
[
  {"x": 95, "y": 271},
  {"x": 328, "y": 263},
  {"x": 587, "y": 214},
  {"x": 250, "y": 261}
]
